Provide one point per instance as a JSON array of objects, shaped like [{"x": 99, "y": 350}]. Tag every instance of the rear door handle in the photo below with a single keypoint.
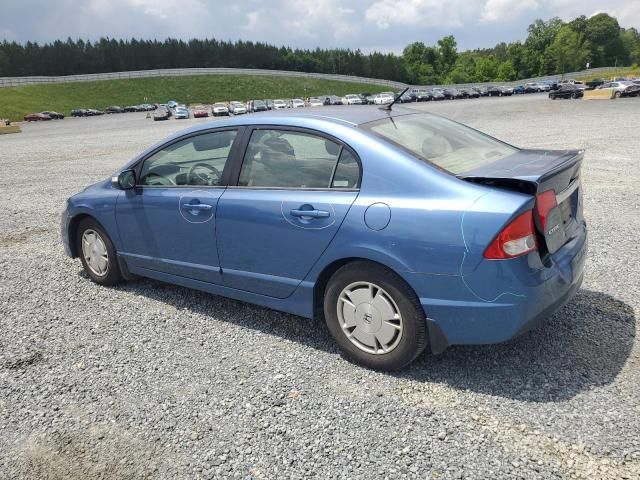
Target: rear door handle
[
  {"x": 197, "y": 206},
  {"x": 309, "y": 213}
]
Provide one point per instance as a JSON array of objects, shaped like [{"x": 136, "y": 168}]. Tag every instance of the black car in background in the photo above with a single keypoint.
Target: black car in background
[
  {"x": 567, "y": 90},
  {"x": 54, "y": 115},
  {"x": 494, "y": 91},
  {"x": 452, "y": 94},
  {"x": 114, "y": 109},
  {"x": 420, "y": 95},
  {"x": 257, "y": 106},
  {"x": 437, "y": 94},
  {"x": 472, "y": 92},
  {"x": 332, "y": 100}
]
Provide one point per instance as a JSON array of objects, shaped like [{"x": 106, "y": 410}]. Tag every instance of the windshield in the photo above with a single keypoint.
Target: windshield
[{"x": 448, "y": 145}]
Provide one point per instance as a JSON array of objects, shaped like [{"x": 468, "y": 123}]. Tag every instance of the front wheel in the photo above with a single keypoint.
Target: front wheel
[
  {"x": 374, "y": 316},
  {"x": 97, "y": 253}
]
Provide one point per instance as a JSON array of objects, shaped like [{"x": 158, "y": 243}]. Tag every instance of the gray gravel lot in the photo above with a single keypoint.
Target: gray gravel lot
[{"x": 156, "y": 381}]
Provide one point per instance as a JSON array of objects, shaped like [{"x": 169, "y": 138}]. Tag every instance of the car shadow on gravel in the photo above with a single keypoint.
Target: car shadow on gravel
[{"x": 582, "y": 346}]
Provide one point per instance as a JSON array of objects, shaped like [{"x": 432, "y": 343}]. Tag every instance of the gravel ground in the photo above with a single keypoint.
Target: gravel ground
[{"x": 156, "y": 381}]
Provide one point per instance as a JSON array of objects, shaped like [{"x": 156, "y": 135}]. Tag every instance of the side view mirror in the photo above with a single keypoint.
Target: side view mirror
[{"x": 125, "y": 180}]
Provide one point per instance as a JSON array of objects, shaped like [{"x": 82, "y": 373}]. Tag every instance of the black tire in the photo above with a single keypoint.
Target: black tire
[
  {"x": 413, "y": 338},
  {"x": 112, "y": 275}
]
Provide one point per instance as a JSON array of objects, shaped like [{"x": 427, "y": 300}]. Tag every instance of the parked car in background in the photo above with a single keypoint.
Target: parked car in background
[
  {"x": 623, "y": 88},
  {"x": 114, "y": 109},
  {"x": 297, "y": 103},
  {"x": 269, "y": 104},
  {"x": 316, "y": 102},
  {"x": 237, "y": 108},
  {"x": 506, "y": 91},
  {"x": 280, "y": 104},
  {"x": 161, "y": 113},
  {"x": 494, "y": 91},
  {"x": 333, "y": 100},
  {"x": 452, "y": 94},
  {"x": 405, "y": 98},
  {"x": 324, "y": 220},
  {"x": 257, "y": 106},
  {"x": 200, "y": 111},
  {"x": 181, "y": 113},
  {"x": 36, "y": 117},
  {"x": 79, "y": 112},
  {"x": 172, "y": 104},
  {"x": 383, "y": 99},
  {"x": 353, "y": 99},
  {"x": 566, "y": 90},
  {"x": 219, "y": 110},
  {"x": 531, "y": 87},
  {"x": 471, "y": 93},
  {"x": 131, "y": 108},
  {"x": 92, "y": 112},
  {"x": 519, "y": 90},
  {"x": 54, "y": 115},
  {"x": 437, "y": 94},
  {"x": 543, "y": 87},
  {"x": 420, "y": 95}
]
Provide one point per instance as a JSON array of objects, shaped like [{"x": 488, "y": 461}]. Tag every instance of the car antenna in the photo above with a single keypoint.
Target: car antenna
[{"x": 388, "y": 107}]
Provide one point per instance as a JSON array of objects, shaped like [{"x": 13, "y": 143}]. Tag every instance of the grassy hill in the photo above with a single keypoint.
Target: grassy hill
[{"x": 15, "y": 102}]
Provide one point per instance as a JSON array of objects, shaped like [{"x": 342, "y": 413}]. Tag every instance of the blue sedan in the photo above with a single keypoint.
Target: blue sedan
[{"x": 402, "y": 230}]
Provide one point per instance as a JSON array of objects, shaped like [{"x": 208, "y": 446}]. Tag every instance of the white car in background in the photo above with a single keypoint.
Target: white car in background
[
  {"x": 353, "y": 99},
  {"x": 237, "y": 108},
  {"x": 219, "y": 109},
  {"x": 316, "y": 102},
  {"x": 297, "y": 103},
  {"x": 280, "y": 104},
  {"x": 384, "y": 98}
]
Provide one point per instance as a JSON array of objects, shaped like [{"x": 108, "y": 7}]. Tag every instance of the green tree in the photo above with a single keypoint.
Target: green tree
[
  {"x": 486, "y": 69},
  {"x": 447, "y": 54},
  {"x": 569, "y": 51},
  {"x": 506, "y": 71}
]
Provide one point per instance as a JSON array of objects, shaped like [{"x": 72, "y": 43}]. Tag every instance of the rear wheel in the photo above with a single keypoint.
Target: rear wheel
[
  {"x": 618, "y": 94},
  {"x": 374, "y": 316},
  {"x": 97, "y": 254}
]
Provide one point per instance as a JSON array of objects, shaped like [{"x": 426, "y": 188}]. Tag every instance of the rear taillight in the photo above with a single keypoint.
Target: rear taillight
[
  {"x": 514, "y": 240},
  {"x": 545, "y": 202}
]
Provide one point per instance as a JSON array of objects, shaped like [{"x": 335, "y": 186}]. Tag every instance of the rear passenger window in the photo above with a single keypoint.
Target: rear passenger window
[
  {"x": 287, "y": 159},
  {"x": 347, "y": 174}
]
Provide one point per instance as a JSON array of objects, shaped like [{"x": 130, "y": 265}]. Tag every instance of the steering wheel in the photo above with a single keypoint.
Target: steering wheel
[{"x": 203, "y": 178}]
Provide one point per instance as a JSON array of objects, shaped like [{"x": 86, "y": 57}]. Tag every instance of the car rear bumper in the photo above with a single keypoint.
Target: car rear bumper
[{"x": 459, "y": 313}]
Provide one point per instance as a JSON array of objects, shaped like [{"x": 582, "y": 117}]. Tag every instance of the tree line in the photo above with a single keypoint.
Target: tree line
[{"x": 551, "y": 47}]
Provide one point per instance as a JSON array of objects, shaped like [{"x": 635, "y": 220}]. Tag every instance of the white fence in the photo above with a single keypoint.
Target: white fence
[{"x": 177, "y": 72}]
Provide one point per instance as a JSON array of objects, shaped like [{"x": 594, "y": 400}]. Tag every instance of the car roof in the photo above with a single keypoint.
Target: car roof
[{"x": 353, "y": 114}]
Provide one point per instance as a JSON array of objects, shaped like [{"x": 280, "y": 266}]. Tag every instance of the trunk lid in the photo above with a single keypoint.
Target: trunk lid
[{"x": 535, "y": 172}]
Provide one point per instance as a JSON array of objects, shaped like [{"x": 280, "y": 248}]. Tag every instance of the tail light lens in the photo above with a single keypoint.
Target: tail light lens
[
  {"x": 545, "y": 202},
  {"x": 517, "y": 238}
]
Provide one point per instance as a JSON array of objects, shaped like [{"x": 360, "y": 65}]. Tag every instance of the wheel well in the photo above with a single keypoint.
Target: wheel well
[
  {"x": 73, "y": 232},
  {"x": 323, "y": 280}
]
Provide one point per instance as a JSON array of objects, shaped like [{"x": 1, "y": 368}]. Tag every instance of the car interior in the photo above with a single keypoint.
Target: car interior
[{"x": 283, "y": 159}]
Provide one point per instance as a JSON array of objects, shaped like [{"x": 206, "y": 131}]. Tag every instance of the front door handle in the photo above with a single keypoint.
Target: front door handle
[{"x": 309, "y": 213}]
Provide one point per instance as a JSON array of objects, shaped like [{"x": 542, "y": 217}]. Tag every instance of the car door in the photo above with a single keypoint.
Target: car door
[
  {"x": 167, "y": 223},
  {"x": 293, "y": 191}
]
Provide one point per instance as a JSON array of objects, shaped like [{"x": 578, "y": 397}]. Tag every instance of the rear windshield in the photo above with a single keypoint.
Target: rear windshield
[{"x": 446, "y": 144}]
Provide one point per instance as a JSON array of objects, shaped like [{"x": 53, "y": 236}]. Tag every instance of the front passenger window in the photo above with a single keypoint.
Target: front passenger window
[{"x": 194, "y": 161}]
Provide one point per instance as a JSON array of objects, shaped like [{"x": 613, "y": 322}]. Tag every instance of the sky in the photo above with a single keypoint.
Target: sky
[{"x": 382, "y": 25}]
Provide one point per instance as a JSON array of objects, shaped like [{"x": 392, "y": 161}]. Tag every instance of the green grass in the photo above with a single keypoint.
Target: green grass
[
  {"x": 621, "y": 72},
  {"x": 15, "y": 102}
]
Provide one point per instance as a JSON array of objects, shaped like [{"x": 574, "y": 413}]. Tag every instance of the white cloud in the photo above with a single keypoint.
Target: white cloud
[
  {"x": 426, "y": 13},
  {"x": 501, "y": 10}
]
